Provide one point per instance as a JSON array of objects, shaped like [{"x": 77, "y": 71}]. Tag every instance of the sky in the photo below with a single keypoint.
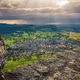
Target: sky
[{"x": 40, "y": 11}]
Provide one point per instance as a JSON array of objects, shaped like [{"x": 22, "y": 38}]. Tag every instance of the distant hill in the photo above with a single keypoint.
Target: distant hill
[{"x": 9, "y": 28}]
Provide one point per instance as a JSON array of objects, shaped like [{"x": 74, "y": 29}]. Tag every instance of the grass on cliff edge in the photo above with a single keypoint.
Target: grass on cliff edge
[{"x": 21, "y": 61}]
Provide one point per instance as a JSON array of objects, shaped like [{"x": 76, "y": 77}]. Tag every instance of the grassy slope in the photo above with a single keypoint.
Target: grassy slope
[
  {"x": 21, "y": 61},
  {"x": 17, "y": 37}
]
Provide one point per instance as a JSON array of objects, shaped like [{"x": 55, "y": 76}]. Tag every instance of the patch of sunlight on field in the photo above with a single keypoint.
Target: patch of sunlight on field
[{"x": 74, "y": 36}]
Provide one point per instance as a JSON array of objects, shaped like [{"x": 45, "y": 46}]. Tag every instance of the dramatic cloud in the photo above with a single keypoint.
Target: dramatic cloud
[{"x": 40, "y": 11}]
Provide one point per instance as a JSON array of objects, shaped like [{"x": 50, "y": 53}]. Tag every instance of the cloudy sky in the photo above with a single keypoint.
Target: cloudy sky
[{"x": 40, "y": 11}]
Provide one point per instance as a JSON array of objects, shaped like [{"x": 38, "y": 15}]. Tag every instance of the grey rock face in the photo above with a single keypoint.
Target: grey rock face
[
  {"x": 56, "y": 68},
  {"x": 65, "y": 65}
]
